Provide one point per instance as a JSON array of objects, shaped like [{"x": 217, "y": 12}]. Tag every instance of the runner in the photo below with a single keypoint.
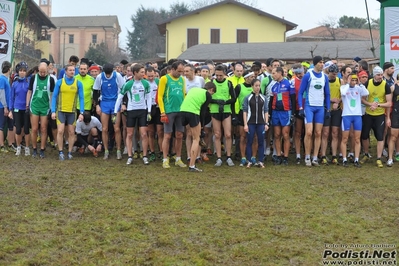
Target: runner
[
  {"x": 41, "y": 86},
  {"x": 63, "y": 107}
]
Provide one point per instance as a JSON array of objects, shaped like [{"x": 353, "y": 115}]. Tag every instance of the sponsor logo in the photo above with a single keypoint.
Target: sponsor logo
[
  {"x": 394, "y": 42},
  {"x": 3, "y": 46}
]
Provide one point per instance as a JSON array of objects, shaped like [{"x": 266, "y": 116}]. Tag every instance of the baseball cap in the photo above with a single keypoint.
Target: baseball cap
[{"x": 328, "y": 64}]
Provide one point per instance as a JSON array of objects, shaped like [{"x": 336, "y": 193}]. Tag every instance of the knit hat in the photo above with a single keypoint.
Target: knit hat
[
  {"x": 377, "y": 70},
  {"x": 387, "y": 65},
  {"x": 317, "y": 59},
  {"x": 357, "y": 59}
]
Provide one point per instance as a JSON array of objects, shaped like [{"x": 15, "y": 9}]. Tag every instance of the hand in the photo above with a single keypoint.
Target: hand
[
  {"x": 327, "y": 115},
  {"x": 149, "y": 117},
  {"x": 266, "y": 128},
  {"x": 388, "y": 122},
  {"x": 164, "y": 119},
  {"x": 27, "y": 111},
  {"x": 91, "y": 148},
  {"x": 113, "y": 119},
  {"x": 80, "y": 117},
  {"x": 5, "y": 111},
  {"x": 246, "y": 129},
  {"x": 221, "y": 102},
  {"x": 123, "y": 108},
  {"x": 221, "y": 108},
  {"x": 292, "y": 119},
  {"x": 98, "y": 109},
  {"x": 53, "y": 116},
  {"x": 302, "y": 113},
  {"x": 10, "y": 115}
]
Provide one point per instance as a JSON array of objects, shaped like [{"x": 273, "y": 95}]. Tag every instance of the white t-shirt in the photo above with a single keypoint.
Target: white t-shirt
[
  {"x": 84, "y": 130},
  {"x": 197, "y": 82},
  {"x": 352, "y": 99}
]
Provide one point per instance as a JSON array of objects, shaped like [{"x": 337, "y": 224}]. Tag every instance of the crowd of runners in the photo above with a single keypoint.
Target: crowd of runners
[{"x": 235, "y": 113}]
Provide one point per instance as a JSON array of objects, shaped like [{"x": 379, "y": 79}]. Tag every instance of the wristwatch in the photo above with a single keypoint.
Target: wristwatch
[{"x": 379, "y": 105}]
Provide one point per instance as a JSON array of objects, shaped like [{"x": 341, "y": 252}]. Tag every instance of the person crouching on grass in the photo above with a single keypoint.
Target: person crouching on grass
[
  {"x": 192, "y": 112},
  {"x": 256, "y": 120}
]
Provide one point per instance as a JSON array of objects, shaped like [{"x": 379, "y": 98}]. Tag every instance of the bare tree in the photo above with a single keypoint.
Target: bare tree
[{"x": 330, "y": 23}]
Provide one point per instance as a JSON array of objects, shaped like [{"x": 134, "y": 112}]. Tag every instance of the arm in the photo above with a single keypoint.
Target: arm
[
  {"x": 12, "y": 96},
  {"x": 327, "y": 101},
  {"x": 119, "y": 100},
  {"x": 233, "y": 97},
  {"x": 81, "y": 140},
  {"x": 293, "y": 102},
  {"x": 344, "y": 89},
  {"x": 55, "y": 96},
  {"x": 81, "y": 97},
  {"x": 204, "y": 108},
  {"x": 161, "y": 92},
  {"x": 302, "y": 89}
]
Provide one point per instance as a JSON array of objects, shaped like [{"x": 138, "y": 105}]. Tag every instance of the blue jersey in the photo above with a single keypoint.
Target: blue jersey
[{"x": 109, "y": 87}]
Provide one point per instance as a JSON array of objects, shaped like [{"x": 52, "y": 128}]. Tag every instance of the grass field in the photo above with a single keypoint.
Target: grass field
[{"x": 93, "y": 212}]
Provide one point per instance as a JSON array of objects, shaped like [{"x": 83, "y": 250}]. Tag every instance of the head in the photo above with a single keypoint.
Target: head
[
  {"x": 255, "y": 86},
  {"x": 363, "y": 77},
  {"x": 238, "y": 70},
  {"x": 318, "y": 63},
  {"x": 264, "y": 68},
  {"x": 332, "y": 72},
  {"x": 346, "y": 71},
  {"x": 138, "y": 71},
  {"x": 73, "y": 60},
  {"x": 389, "y": 69},
  {"x": 155, "y": 65},
  {"x": 378, "y": 74},
  {"x": 278, "y": 73},
  {"x": 256, "y": 68},
  {"x": 177, "y": 69},
  {"x": 269, "y": 66},
  {"x": 298, "y": 71},
  {"x": 51, "y": 68},
  {"x": 189, "y": 72},
  {"x": 205, "y": 72},
  {"x": 198, "y": 71},
  {"x": 210, "y": 87},
  {"x": 86, "y": 117},
  {"x": 285, "y": 73},
  {"x": 306, "y": 66},
  {"x": 248, "y": 76},
  {"x": 43, "y": 69},
  {"x": 275, "y": 63},
  {"x": 211, "y": 70},
  {"x": 220, "y": 73},
  {"x": 94, "y": 70},
  {"x": 150, "y": 73},
  {"x": 70, "y": 70},
  {"x": 363, "y": 65},
  {"x": 108, "y": 69},
  {"x": 21, "y": 68},
  {"x": 354, "y": 80},
  {"x": 83, "y": 69},
  {"x": 6, "y": 67}
]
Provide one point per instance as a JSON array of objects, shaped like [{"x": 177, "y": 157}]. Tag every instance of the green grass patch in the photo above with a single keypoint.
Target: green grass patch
[{"x": 93, "y": 212}]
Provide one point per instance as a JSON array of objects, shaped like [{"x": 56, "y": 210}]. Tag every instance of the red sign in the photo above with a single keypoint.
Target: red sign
[
  {"x": 3, "y": 26},
  {"x": 394, "y": 42}
]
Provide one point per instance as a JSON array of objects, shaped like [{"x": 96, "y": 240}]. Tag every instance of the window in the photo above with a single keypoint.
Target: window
[
  {"x": 192, "y": 37},
  {"x": 70, "y": 38},
  {"x": 215, "y": 35},
  {"x": 242, "y": 36},
  {"x": 94, "y": 38}
]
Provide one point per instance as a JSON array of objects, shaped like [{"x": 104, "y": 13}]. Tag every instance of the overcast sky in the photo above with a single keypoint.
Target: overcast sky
[{"x": 306, "y": 14}]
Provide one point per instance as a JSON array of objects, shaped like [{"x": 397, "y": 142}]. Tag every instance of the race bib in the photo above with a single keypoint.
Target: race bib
[{"x": 353, "y": 103}]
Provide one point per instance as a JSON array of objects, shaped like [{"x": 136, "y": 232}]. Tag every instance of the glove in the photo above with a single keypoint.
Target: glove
[
  {"x": 292, "y": 119},
  {"x": 234, "y": 121},
  {"x": 164, "y": 119},
  {"x": 302, "y": 113},
  {"x": 220, "y": 102},
  {"x": 221, "y": 108},
  {"x": 113, "y": 118},
  {"x": 149, "y": 117},
  {"x": 27, "y": 111},
  {"x": 327, "y": 115}
]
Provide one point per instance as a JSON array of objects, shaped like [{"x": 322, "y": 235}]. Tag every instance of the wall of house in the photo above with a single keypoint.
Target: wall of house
[
  {"x": 82, "y": 40},
  {"x": 228, "y": 18}
]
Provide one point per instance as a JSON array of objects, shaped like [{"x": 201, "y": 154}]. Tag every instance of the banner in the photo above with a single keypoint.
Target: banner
[
  {"x": 392, "y": 37},
  {"x": 7, "y": 18}
]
